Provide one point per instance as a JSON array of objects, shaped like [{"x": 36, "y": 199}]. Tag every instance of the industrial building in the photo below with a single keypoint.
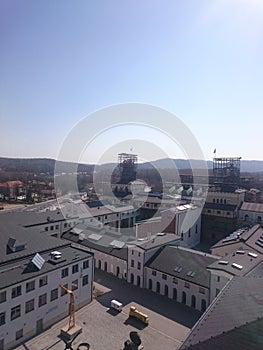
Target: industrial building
[{"x": 33, "y": 265}]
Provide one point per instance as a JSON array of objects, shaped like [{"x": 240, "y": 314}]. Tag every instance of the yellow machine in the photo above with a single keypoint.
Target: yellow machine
[
  {"x": 71, "y": 308},
  {"x": 139, "y": 315}
]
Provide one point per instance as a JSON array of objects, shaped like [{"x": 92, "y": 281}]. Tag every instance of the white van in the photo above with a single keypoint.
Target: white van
[{"x": 116, "y": 305}]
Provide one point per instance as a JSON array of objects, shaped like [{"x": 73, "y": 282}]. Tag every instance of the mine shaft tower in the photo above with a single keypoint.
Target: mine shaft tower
[
  {"x": 127, "y": 164},
  {"x": 227, "y": 170}
]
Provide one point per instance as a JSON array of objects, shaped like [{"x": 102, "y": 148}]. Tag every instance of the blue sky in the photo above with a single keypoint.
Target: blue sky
[{"x": 62, "y": 60}]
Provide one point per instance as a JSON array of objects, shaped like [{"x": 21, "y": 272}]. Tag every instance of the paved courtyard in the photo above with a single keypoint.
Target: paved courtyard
[{"x": 105, "y": 329}]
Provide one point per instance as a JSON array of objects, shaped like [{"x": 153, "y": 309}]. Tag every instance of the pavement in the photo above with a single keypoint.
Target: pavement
[{"x": 107, "y": 329}]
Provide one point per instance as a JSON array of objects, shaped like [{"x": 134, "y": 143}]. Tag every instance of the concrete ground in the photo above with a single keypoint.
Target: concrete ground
[{"x": 105, "y": 329}]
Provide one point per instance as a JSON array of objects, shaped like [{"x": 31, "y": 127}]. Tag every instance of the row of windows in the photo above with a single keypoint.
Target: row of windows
[
  {"x": 43, "y": 280},
  {"x": 175, "y": 296},
  {"x": 219, "y": 212},
  {"x": 186, "y": 284},
  {"x": 138, "y": 264},
  {"x": 42, "y": 300},
  {"x": 217, "y": 200}
]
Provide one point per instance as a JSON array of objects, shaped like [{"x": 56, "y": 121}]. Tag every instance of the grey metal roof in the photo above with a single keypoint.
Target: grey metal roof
[
  {"x": 21, "y": 270},
  {"x": 218, "y": 206},
  {"x": 248, "y": 336},
  {"x": 240, "y": 302},
  {"x": 169, "y": 259},
  {"x": 248, "y": 206},
  {"x": 35, "y": 241},
  {"x": 239, "y": 263},
  {"x": 102, "y": 245},
  {"x": 248, "y": 237},
  {"x": 156, "y": 240}
]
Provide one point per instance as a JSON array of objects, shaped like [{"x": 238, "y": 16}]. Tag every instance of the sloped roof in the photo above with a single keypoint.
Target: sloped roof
[
  {"x": 171, "y": 257},
  {"x": 240, "y": 302},
  {"x": 248, "y": 206},
  {"x": 248, "y": 336}
]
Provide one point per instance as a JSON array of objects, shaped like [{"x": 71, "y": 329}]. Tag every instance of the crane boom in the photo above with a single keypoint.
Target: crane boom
[{"x": 71, "y": 308}]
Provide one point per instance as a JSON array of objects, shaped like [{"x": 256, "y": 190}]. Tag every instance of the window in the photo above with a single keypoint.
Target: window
[
  {"x": 164, "y": 276},
  {"x": 139, "y": 265},
  {"x": 74, "y": 285},
  {"x": 217, "y": 291},
  {"x": 187, "y": 285},
  {"x": 2, "y": 318},
  {"x": 139, "y": 254},
  {"x": 54, "y": 294},
  {"x": 64, "y": 273},
  {"x": 57, "y": 227},
  {"x": 132, "y": 263},
  {"x": 228, "y": 213},
  {"x": 42, "y": 281},
  {"x": 218, "y": 212},
  {"x": 42, "y": 300},
  {"x": 154, "y": 273},
  {"x": 85, "y": 280},
  {"x": 63, "y": 292},
  {"x": 132, "y": 252},
  {"x": 201, "y": 290},
  {"x": 196, "y": 228},
  {"x": 52, "y": 228},
  {"x": 189, "y": 233},
  {"x": 75, "y": 268},
  {"x": 19, "y": 334},
  {"x": 2, "y": 297},
  {"x": 16, "y": 292},
  {"x": 218, "y": 278},
  {"x": 65, "y": 225},
  {"x": 209, "y": 211},
  {"x": 175, "y": 280},
  {"x": 85, "y": 264},
  {"x": 46, "y": 228},
  {"x": 29, "y": 306},
  {"x": 15, "y": 312},
  {"x": 30, "y": 286}
]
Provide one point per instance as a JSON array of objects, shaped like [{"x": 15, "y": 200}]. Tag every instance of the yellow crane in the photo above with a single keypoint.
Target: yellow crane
[{"x": 71, "y": 307}]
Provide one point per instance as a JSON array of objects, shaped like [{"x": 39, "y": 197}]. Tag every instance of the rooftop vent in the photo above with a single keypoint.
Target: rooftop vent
[
  {"x": 178, "y": 269},
  {"x": 191, "y": 273},
  {"x": 236, "y": 266},
  {"x": 56, "y": 255},
  {"x": 254, "y": 255},
  {"x": 240, "y": 252},
  {"x": 14, "y": 246},
  {"x": 223, "y": 262}
]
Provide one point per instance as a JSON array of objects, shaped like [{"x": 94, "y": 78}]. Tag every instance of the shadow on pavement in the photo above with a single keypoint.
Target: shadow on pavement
[{"x": 127, "y": 293}]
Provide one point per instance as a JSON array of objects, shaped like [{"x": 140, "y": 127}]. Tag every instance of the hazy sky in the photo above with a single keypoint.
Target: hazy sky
[{"x": 199, "y": 59}]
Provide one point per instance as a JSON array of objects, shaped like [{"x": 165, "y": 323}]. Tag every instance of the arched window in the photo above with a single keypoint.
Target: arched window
[
  {"x": 193, "y": 301},
  {"x": 183, "y": 297},
  {"x": 166, "y": 290},
  {"x": 105, "y": 266},
  {"x": 117, "y": 271},
  {"x": 99, "y": 264},
  {"x": 132, "y": 278},
  {"x": 175, "y": 294},
  {"x": 158, "y": 287},
  {"x": 138, "y": 281},
  {"x": 246, "y": 217},
  {"x": 259, "y": 219},
  {"x": 150, "y": 284},
  {"x": 203, "y": 305}
]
